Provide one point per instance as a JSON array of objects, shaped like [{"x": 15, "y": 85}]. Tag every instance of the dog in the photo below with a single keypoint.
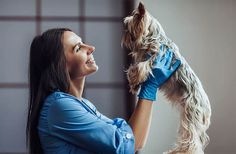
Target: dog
[{"x": 144, "y": 35}]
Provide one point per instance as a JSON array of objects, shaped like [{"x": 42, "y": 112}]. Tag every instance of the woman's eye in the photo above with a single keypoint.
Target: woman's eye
[{"x": 78, "y": 48}]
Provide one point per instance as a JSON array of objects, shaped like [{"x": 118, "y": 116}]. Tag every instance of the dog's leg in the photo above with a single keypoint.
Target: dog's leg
[
  {"x": 188, "y": 139},
  {"x": 194, "y": 118}
]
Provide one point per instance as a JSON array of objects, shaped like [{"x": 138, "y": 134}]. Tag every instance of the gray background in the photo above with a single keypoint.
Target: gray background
[{"x": 204, "y": 30}]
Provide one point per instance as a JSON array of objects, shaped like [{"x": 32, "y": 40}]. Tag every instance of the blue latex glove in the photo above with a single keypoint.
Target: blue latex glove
[{"x": 162, "y": 69}]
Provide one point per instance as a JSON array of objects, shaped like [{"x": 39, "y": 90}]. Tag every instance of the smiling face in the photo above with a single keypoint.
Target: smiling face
[{"x": 79, "y": 56}]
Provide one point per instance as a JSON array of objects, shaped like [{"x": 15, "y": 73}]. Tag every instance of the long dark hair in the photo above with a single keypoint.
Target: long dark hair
[{"x": 47, "y": 72}]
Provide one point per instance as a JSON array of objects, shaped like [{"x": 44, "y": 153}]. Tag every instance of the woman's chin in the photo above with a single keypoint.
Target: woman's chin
[{"x": 93, "y": 68}]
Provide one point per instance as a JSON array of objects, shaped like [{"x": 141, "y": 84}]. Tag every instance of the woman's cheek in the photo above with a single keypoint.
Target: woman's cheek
[{"x": 75, "y": 69}]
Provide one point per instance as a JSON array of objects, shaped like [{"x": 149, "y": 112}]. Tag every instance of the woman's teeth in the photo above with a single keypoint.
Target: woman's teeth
[{"x": 90, "y": 61}]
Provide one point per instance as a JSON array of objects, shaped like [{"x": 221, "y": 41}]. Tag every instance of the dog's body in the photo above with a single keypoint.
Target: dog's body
[{"x": 143, "y": 34}]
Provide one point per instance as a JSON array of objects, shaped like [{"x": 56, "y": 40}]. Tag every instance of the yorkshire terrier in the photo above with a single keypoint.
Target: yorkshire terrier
[{"x": 144, "y": 35}]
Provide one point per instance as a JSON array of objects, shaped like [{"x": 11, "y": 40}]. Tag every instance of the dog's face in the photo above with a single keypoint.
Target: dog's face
[
  {"x": 134, "y": 28},
  {"x": 144, "y": 34},
  {"x": 141, "y": 32}
]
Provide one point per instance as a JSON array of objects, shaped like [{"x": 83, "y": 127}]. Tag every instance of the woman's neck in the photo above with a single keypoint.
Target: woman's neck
[{"x": 77, "y": 87}]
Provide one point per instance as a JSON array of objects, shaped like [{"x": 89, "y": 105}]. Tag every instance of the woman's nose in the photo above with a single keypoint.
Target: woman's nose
[{"x": 91, "y": 49}]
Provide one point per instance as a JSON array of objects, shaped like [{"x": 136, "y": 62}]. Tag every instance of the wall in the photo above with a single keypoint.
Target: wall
[{"x": 205, "y": 32}]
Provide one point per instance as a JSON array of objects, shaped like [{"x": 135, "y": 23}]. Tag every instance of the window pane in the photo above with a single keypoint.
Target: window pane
[
  {"x": 17, "y": 8},
  {"x": 106, "y": 37},
  {"x": 13, "y": 113},
  {"x": 105, "y": 8},
  {"x": 110, "y": 102},
  {"x": 74, "y": 26},
  {"x": 60, "y": 8},
  {"x": 15, "y": 45}
]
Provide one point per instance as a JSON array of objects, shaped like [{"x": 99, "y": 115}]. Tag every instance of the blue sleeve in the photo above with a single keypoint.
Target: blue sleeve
[{"x": 70, "y": 121}]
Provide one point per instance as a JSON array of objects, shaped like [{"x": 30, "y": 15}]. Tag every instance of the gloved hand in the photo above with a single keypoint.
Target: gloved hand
[{"x": 162, "y": 70}]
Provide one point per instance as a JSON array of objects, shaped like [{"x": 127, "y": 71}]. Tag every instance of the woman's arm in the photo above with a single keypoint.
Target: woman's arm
[{"x": 140, "y": 122}]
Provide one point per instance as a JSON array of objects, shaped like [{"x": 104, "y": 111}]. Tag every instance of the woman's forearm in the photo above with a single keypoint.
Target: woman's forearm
[{"x": 140, "y": 122}]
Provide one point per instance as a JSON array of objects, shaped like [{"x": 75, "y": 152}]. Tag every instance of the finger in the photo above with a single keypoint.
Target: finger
[
  {"x": 148, "y": 56},
  {"x": 167, "y": 54},
  {"x": 169, "y": 60},
  {"x": 160, "y": 54},
  {"x": 162, "y": 47},
  {"x": 176, "y": 64},
  {"x": 165, "y": 58}
]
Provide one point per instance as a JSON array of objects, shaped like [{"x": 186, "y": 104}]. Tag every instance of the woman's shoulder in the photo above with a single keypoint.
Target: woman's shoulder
[
  {"x": 90, "y": 104},
  {"x": 61, "y": 98},
  {"x": 59, "y": 102},
  {"x": 58, "y": 95}
]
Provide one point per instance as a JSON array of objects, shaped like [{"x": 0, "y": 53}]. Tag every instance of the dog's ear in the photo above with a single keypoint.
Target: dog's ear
[
  {"x": 126, "y": 40},
  {"x": 141, "y": 9},
  {"x": 138, "y": 24}
]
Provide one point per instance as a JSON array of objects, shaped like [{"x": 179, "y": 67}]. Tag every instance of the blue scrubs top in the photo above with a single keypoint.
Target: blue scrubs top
[{"x": 68, "y": 125}]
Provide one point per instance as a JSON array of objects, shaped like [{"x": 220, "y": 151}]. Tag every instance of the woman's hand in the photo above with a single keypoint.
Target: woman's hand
[{"x": 162, "y": 69}]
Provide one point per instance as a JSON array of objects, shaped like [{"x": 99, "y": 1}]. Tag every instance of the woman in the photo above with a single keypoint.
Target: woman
[{"x": 60, "y": 120}]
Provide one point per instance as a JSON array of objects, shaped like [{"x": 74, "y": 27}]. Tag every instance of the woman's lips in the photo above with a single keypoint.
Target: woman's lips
[{"x": 90, "y": 61}]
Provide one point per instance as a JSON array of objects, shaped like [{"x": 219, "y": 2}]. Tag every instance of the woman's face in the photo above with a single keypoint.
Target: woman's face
[{"x": 79, "y": 57}]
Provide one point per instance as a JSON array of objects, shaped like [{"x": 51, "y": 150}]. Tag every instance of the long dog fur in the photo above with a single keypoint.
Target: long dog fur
[{"x": 143, "y": 34}]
